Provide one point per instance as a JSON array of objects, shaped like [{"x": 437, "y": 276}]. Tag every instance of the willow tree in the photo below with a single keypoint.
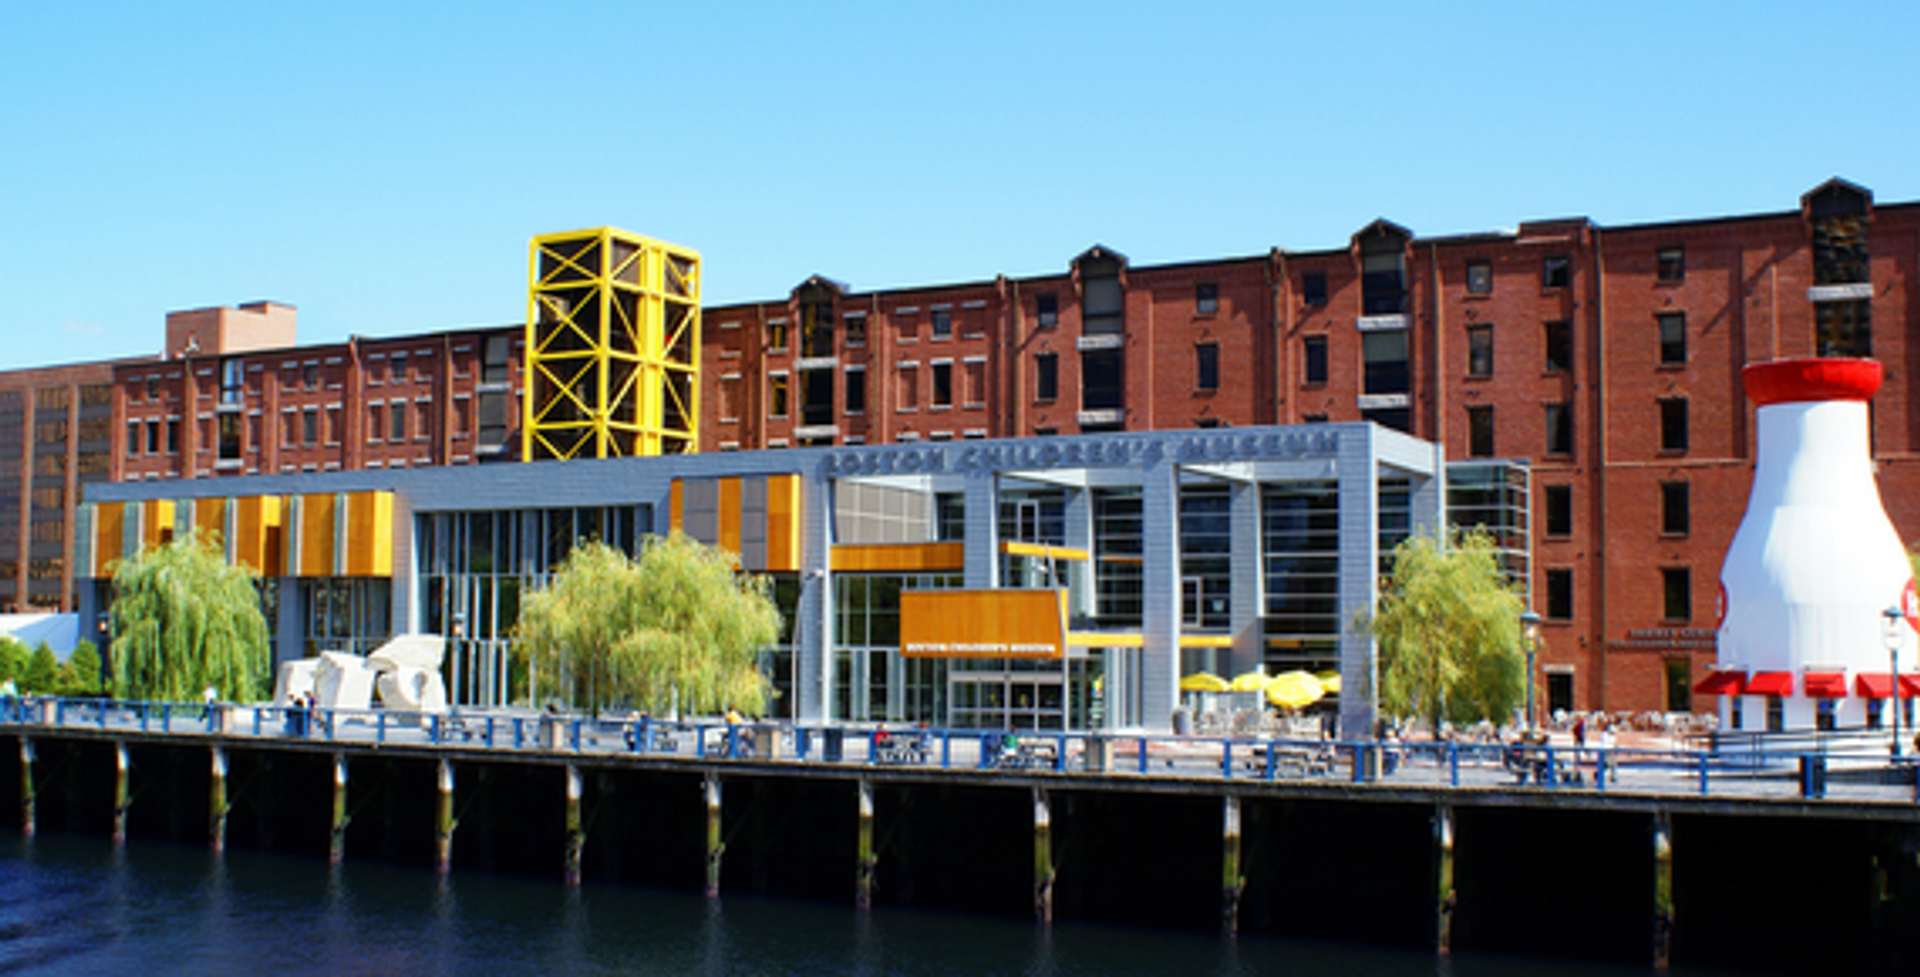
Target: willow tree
[
  {"x": 185, "y": 619},
  {"x": 678, "y": 625},
  {"x": 1448, "y": 624}
]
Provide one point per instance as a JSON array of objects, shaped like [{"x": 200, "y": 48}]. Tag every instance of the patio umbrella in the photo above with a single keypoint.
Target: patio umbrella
[
  {"x": 1203, "y": 682},
  {"x": 1252, "y": 681},
  {"x": 1293, "y": 690}
]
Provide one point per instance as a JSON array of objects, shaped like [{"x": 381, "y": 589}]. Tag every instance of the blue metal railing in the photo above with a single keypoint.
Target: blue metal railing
[{"x": 1858, "y": 774}]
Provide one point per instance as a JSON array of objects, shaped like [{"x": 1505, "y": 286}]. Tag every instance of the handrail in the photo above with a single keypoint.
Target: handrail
[{"x": 1862, "y": 773}]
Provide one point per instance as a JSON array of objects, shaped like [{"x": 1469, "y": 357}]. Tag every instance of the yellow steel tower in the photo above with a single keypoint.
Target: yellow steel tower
[{"x": 613, "y": 347}]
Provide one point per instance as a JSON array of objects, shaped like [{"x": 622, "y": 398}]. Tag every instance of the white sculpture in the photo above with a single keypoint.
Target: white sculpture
[{"x": 405, "y": 671}]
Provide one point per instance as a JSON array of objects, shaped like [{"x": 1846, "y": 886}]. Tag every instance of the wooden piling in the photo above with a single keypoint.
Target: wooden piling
[
  {"x": 217, "y": 801},
  {"x": 863, "y": 871},
  {"x": 716, "y": 845},
  {"x": 443, "y": 821},
  {"x": 1232, "y": 880},
  {"x": 1445, "y": 897},
  {"x": 576, "y": 832},
  {"x": 337, "y": 835},
  {"x": 1662, "y": 890},
  {"x": 1043, "y": 872},
  {"x": 28, "y": 818},
  {"x": 122, "y": 794}
]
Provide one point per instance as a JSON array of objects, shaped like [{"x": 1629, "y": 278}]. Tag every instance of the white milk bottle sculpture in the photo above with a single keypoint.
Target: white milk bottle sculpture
[{"x": 1816, "y": 562}]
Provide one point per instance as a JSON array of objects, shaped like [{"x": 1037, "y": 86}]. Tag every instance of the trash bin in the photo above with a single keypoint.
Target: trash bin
[
  {"x": 766, "y": 742},
  {"x": 1813, "y": 776},
  {"x": 833, "y": 745}
]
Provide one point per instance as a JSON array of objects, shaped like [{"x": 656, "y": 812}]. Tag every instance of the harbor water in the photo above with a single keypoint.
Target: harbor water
[{"x": 75, "y": 905}]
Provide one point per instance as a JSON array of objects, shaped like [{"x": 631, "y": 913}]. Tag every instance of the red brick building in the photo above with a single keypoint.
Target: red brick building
[{"x": 1608, "y": 357}]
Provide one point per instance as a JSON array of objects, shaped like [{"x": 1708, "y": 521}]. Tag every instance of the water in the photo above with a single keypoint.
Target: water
[{"x": 72, "y": 905}]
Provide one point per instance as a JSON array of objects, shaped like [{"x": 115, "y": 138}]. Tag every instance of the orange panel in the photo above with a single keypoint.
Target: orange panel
[
  {"x": 674, "y": 502},
  {"x": 157, "y": 525},
  {"x": 783, "y": 523},
  {"x": 256, "y": 524},
  {"x": 369, "y": 539},
  {"x": 897, "y": 557},
  {"x": 109, "y": 536},
  {"x": 727, "y": 520},
  {"x": 316, "y": 535},
  {"x": 983, "y": 623},
  {"x": 210, "y": 517}
]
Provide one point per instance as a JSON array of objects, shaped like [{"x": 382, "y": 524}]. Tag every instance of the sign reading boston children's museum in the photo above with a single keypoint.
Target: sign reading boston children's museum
[{"x": 983, "y": 623}]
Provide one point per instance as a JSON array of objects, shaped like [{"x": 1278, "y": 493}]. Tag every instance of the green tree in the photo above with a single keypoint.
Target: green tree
[
  {"x": 13, "y": 658},
  {"x": 1448, "y": 624},
  {"x": 43, "y": 672},
  {"x": 83, "y": 667},
  {"x": 184, "y": 619},
  {"x": 677, "y": 625}
]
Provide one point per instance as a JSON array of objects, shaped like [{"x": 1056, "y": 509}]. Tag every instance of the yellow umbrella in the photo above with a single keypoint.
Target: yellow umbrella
[
  {"x": 1203, "y": 682},
  {"x": 1292, "y": 690},
  {"x": 1329, "y": 680},
  {"x": 1252, "y": 681}
]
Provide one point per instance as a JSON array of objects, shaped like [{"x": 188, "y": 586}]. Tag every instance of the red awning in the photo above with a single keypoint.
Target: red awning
[
  {"x": 1875, "y": 685},
  {"x": 1770, "y": 683},
  {"x": 1722, "y": 683},
  {"x": 1826, "y": 685}
]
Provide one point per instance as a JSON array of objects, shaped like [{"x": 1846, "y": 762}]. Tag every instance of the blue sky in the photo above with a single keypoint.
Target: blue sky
[{"x": 381, "y": 166}]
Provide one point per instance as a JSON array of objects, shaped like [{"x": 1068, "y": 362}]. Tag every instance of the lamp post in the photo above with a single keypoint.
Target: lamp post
[
  {"x": 1890, "y": 620},
  {"x": 1530, "y": 635}
]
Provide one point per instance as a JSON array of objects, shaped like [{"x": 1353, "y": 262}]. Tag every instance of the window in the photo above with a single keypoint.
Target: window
[
  {"x": 816, "y": 397},
  {"x": 1559, "y": 429},
  {"x": 1480, "y": 431},
  {"x": 1670, "y": 264},
  {"x": 153, "y": 390},
  {"x": 1559, "y": 341},
  {"x": 942, "y": 384},
  {"x": 310, "y": 426},
  {"x": 232, "y": 374},
  {"x": 816, "y": 326},
  {"x": 1383, "y": 288},
  {"x": 495, "y": 408},
  {"x": 1314, "y": 359},
  {"x": 173, "y": 436},
  {"x": 1046, "y": 309},
  {"x": 133, "y": 438},
  {"x": 1676, "y": 517},
  {"x": 1480, "y": 350},
  {"x": 1843, "y": 328},
  {"x": 1560, "y": 595},
  {"x": 310, "y": 376},
  {"x": 942, "y": 323},
  {"x": 1313, "y": 418},
  {"x": 1206, "y": 298},
  {"x": 1479, "y": 278},
  {"x": 397, "y": 421},
  {"x": 1102, "y": 380},
  {"x": 1676, "y": 589},
  {"x": 975, "y": 392},
  {"x": 1206, "y": 366},
  {"x": 493, "y": 363},
  {"x": 909, "y": 386},
  {"x": 777, "y": 335},
  {"x": 855, "y": 327},
  {"x": 399, "y": 361},
  {"x": 1673, "y": 338},
  {"x": 856, "y": 390},
  {"x": 1386, "y": 361},
  {"x": 1673, "y": 424},
  {"x": 1046, "y": 376},
  {"x": 1558, "y": 501},
  {"x": 777, "y": 395},
  {"x": 376, "y": 421},
  {"x": 1554, "y": 272},
  {"x": 1313, "y": 288}
]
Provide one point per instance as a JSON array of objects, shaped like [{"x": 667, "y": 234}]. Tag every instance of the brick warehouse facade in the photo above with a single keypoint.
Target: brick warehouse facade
[{"x": 1608, "y": 358}]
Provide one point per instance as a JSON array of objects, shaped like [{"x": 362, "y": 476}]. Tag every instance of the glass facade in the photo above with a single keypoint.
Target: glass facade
[{"x": 1300, "y": 561}]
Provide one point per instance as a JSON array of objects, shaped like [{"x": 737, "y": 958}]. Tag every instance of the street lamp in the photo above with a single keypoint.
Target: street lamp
[
  {"x": 1530, "y": 634},
  {"x": 1890, "y": 620}
]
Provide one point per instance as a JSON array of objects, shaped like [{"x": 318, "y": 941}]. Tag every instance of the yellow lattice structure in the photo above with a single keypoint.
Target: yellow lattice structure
[{"x": 613, "y": 347}]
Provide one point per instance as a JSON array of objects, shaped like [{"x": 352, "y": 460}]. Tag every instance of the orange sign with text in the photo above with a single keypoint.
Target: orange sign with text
[{"x": 983, "y": 623}]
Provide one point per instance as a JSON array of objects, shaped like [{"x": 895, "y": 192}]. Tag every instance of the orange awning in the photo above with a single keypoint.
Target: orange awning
[
  {"x": 1826, "y": 685},
  {"x": 1722, "y": 683},
  {"x": 1770, "y": 683}
]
